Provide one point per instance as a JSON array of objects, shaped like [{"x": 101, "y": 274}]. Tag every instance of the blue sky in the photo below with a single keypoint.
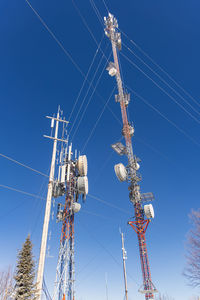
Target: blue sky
[{"x": 36, "y": 76}]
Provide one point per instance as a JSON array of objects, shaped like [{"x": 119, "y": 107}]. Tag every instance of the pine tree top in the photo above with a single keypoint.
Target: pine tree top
[{"x": 24, "y": 275}]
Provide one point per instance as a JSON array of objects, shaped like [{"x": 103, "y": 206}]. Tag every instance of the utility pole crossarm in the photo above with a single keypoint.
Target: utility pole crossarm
[
  {"x": 56, "y": 119},
  {"x": 54, "y": 138}
]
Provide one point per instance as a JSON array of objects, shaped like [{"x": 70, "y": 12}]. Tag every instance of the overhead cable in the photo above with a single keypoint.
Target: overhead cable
[
  {"x": 55, "y": 38},
  {"x": 20, "y": 191},
  {"x": 42, "y": 198},
  {"x": 83, "y": 101},
  {"x": 159, "y": 67},
  {"x": 82, "y": 115},
  {"x": 96, "y": 215},
  {"x": 69, "y": 55},
  {"x": 106, "y": 250},
  {"x": 109, "y": 204},
  {"x": 162, "y": 89},
  {"x": 97, "y": 12},
  {"x": 164, "y": 117},
  {"x": 164, "y": 81},
  {"x": 106, "y": 6},
  {"x": 85, "y": 79},
  {"x": 88, "y": 28},
  {"x": 23, "y": 165},
  {"x": 97, "y": 121}
]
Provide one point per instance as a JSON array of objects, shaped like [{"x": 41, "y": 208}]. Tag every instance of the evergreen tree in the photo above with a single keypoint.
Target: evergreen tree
[{"x": 25, "y": 289}]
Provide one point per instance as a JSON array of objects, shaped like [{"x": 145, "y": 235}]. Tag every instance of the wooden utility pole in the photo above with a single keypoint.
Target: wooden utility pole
[{"x": 40, "y": 271}]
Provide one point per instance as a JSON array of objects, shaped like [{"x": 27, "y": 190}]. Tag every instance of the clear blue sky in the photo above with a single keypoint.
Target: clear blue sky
[{"x": 36, "y": 76}]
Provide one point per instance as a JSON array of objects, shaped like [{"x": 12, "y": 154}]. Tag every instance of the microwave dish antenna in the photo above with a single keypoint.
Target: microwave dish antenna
[
  {"x": 76, "y": 207},
  {"x": 82, "y": 165},
  {"x": 121, "y": 172},
  {"x": 82, "y": 185}
]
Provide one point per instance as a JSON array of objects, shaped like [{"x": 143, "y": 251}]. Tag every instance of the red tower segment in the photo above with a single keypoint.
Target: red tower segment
[{"x": 140, "y": 224}]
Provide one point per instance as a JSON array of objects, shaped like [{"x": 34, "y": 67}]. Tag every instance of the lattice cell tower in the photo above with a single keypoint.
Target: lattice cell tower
[
  {"x": 143, "y": 213},
  {"x": 72, "y": 181}
]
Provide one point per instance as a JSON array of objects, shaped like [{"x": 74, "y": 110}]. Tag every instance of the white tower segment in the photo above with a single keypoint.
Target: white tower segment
[{"x": 40, "y": 271}]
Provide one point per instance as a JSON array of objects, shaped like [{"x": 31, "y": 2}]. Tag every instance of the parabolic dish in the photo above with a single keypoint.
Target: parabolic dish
[
  {"x": 82, "y": 185},
  {"x": 149, "y": 211},
  {"x": 76, "y": 207},
  {"x": 82, "y": 165},
  {"x": 120, "y": 172}
]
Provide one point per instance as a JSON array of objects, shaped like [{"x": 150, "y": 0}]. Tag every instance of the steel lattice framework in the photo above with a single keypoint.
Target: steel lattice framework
[
  {"x": 140, "y": 224},
  {"x": 64, "y": 285}
]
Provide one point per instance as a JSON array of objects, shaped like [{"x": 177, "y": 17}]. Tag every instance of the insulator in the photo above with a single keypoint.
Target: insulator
[{"x": 52, "y": 123}]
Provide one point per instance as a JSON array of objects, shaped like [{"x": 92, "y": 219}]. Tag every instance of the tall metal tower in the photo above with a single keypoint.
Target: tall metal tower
[
  {"x": 130, "y": 173},
  {"x": 72, "y": 181}
]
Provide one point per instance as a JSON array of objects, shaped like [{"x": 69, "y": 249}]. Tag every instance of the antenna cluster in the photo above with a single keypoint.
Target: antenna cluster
[{"x": 72, "y": 182}]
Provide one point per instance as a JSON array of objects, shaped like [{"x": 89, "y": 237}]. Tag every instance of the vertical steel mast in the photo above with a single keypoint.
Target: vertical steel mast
[{"x": 140, "y": 224}]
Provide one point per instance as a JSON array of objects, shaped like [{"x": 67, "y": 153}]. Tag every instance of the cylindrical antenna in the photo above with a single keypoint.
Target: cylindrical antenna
[
  {"x": 124, "y": 266},
  {"x": 52, "y": 123},
  {"x": 106, "y": 279}
]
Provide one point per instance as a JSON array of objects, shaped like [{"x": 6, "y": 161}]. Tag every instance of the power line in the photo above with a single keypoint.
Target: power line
[
  {"x": 85, "y": 79},
  {"x": 20, "y": 191},
  {"x": 97, "y": 121},
  {"x": 89, "y": 101},
  {"x": 23, "y": 165},
  {"x": 164, "y": 117},
  {"x": 55, "y": 38},
  {"x": 159, "y": 67},
  {"x": 97, "y": 12},
  {"x": 107, "y": 251},
  {"x": 108, "y": 204},
  {"x": 162, "y": 89},
  {"x": 69, "y": 55},
  {"x": 164, "y": 81},
  {"x": 88, "y": 28},
  {"x": 12, "y": 209},
  {"x": 96, "y": 215},
  {"x": 104, "y": 2},
  {"x": 90, "y": 85}
]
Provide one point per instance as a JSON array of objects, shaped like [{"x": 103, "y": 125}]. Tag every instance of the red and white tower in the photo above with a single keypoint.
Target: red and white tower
[
  {"x": 143, "y": 213},
  {"x": 72, "y": 181}
]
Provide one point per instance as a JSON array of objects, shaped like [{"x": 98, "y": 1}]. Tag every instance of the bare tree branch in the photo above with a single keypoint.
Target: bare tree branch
[
  {"x": 192, "y": 270},
  {"x": 6, "y": 284}
]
